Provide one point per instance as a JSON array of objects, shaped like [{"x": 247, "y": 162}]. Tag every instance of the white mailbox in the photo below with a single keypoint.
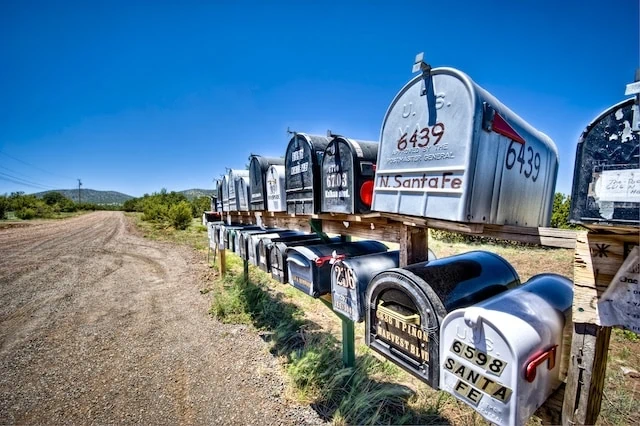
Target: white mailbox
[
  {"x": 450, "y": 150},
  {"x": 503, "y": 356},
  {"x": 274, "y": 177}
]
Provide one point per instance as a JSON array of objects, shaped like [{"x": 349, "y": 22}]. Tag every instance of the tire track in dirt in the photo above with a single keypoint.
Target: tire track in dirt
[{"x": 98, "y": 325}]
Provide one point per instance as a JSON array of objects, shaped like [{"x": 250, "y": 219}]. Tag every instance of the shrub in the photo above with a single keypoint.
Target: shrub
[
  {"x": 26, "y": 213},
  {"x": 4, "y": 206},
  {"x": 180, "y": 215}
]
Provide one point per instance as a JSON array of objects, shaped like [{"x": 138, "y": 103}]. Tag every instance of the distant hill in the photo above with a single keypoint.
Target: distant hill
[
  {"x": 195, "y": 193},
  {"x": 91, "y": 196}
]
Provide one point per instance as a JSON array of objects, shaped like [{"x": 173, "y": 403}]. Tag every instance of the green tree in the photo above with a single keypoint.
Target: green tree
[
  {"x": 560, "y": 211},
  {"x": 180, "y": 215},
  {"x": 200, "y": 205},
  {"x": 53, "y": 197},
  {"x": 4, "y": 206}
]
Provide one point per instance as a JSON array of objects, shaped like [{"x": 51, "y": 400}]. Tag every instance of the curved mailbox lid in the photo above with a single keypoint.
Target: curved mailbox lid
[
  {"x": 509, "y": 349},
  {"x": 258, "y": 167},
  {"x": 346, "y": 165},
  {"x": 606, "y": 177},
  {"x": 310, "y": 266},
  {"x": 302, "y": 172},
  {"x": 405, "y": 306},
  {"x": 242, "y": 191},
  {"x": 350, "y": 278},
  {"x": 445, "y": 154},
  {"x": 276, "y": 194}
]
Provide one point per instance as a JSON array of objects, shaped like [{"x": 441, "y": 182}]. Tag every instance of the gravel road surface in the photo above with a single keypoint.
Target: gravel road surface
[{"x": 99, "y": 325}]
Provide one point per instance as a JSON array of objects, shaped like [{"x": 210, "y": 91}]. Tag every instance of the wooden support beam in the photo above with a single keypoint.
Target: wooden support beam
[
  {"x": 587, "y": 367},
  {"x": 414, "y": 245}
]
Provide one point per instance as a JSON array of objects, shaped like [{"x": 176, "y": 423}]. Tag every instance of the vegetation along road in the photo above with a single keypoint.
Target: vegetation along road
[{"x": 99, "y": 325}]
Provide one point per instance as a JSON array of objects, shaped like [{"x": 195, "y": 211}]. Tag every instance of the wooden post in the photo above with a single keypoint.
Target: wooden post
[
  {"x": 597, "y": 259},
  {"x": 414, "y": 245},
  {"x": 223, "y": 262}
]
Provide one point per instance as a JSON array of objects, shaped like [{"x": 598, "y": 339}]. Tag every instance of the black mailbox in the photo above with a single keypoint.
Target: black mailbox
[
  {"x": 351, "y": 277},
  {"x": 406, "y": 306},
  {"x": 348, "y": 169},
  {"x": 244, "y": 236},
  {"x": 606, "y": 177},
  {"x": 302, "y": 173},
  {"x": 278, "y": 254},
  {"x": 258, "y": 167},
  {"x": 310, "y": 266}
]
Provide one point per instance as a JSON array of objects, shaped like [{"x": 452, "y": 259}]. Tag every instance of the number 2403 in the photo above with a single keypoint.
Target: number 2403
[{"x": 529, "y": 160}]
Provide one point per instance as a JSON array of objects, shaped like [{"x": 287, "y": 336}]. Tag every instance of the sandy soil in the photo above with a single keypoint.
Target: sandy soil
[{"x": 99, "y": 325}]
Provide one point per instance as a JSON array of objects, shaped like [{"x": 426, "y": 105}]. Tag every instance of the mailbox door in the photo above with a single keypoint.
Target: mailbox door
[
  {"x": 346, "y": 166},
  {"x": 276, "y": 198},
  {"x": 350, "y": 279},
  {"x": 302, "y": 173},
  {"x": 243, "y": 194},
  {"x": 606, "y": 177}
]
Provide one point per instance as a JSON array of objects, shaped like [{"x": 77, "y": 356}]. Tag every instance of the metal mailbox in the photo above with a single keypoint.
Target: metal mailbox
[
  {"x": 252, "y": 240},
  {"x": 234, "y": 178},
  {"x": 406, "y": 306},
  {"x": 351, "y": 277},
  {"x": 242, "y": 192},
  {"x": 258, "y": 167},
  {"x": 450, "y": 150},
  {"x": 219, "y": 196},
  {"x": 302, "y": 172},
  {"x": 229, "y": 233},
  {"x": 258, "y": 246},
  {"x": 266, "y": 244},
  {"x": 245, "y": 235},
  {"x": 348, "y": 168},
  {"x": 606, "y": 177},
  {"x": 225, "y": 193},
  {"x": 278, "y": 255},
  {"x": 503, "y": 356},
  {"x": 276, "y": 195},
  {"x": 310, "y": 266}
]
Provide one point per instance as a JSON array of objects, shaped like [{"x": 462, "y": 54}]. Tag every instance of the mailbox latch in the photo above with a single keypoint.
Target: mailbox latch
[{"x": 548, "y": 355}]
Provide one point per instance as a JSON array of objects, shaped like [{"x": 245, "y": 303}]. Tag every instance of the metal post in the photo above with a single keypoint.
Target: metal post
[{"x": 348, "y": 342}]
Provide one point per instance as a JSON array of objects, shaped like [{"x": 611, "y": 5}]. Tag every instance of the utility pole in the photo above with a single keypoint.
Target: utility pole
[{"x": 79, "y": 185}]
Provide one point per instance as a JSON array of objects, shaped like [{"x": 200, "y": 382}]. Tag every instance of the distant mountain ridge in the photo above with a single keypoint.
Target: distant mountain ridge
[
  {"x": 93, "y": 196},
  {"x": 196, "y": 192}
]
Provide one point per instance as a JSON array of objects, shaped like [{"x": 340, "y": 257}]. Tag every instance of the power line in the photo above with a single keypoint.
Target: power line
[
  {"x": 24, "y": 184},
  {"x": 35, "y": 167},
  {"x": 16, "y": 179}
]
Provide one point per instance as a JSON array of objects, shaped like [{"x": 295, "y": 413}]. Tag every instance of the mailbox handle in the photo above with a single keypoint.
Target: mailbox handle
[{"x": 548, "y": 355}]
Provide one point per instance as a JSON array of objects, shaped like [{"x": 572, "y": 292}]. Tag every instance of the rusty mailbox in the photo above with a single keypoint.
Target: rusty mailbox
[
  {"x": 253, "y": 240},
  {"x": 278, "y": 254},
  {"x": 406, "y": 306},
  {"x": 450, "y": 150},
  {"x": 258, "y": 167},
  {"x": 351, "y": 277},
  {"x": 504, "y": 356},
  {"x": 302, "y": 172},
  {"x": 348, "y": 168},
  {"x": 234, "y": 177},
  {"x": 276, "y": 195},
  {"x": 310, "y": 266},
  {"x": 606, "y": 177}
]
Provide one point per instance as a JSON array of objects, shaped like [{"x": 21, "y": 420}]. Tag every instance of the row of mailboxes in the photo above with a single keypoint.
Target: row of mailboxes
[{"x": 265, "y": 245}]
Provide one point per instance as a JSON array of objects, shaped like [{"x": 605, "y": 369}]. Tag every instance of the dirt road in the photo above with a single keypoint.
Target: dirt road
[{"x": 99, "y": 325}]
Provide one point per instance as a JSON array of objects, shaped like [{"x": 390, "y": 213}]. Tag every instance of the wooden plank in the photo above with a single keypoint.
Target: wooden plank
[
  {"x": 414, "y": 245},
  {"x": 597, "y": 259},
  {"x": 585, "y": 382},
  {"x": 381, "y": 232}
]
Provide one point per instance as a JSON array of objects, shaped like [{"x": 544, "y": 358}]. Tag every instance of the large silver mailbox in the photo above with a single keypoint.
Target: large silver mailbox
[
  {"x": 258, "y": 167},
  {"x": 450, "y": 150},
  {"x": 242, "y": 193},
  {"x": 276, "y": 195},
  {"x": 234, "y": 177}
]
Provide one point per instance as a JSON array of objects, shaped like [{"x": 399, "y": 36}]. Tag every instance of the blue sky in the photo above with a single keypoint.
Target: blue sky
[{"x": 135, "y": 96}]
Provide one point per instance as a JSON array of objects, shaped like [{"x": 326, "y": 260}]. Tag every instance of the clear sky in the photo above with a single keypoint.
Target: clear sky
[{"x": 135, "y": 96}]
